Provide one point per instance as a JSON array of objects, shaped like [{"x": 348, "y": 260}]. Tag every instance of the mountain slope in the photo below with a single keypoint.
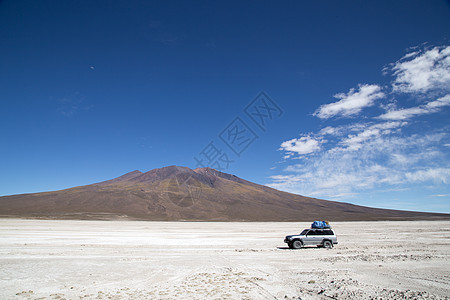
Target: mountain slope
[{"x": 179, "y": 193}]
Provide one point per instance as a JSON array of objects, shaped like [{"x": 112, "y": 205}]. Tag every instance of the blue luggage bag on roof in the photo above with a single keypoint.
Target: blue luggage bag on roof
[{"x": 320, "y": 224}]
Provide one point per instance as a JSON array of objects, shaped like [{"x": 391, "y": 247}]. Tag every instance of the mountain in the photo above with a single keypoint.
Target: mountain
[{"x": 178, "y": 193}]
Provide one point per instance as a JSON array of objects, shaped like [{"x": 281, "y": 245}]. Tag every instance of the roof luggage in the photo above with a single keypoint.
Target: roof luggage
[{"x": 320, "y": 224}]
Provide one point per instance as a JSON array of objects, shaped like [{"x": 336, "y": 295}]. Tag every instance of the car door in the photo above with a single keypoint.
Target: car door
[{"x": 311, "y": 238}]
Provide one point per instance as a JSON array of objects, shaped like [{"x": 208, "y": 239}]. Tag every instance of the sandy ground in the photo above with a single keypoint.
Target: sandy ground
[{"x": 188, "y": 260}]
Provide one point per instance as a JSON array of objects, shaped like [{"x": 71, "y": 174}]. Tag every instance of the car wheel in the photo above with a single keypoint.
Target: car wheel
[
  {"x": 297, "y": 244},
  {"x": 328, "y": 244}
]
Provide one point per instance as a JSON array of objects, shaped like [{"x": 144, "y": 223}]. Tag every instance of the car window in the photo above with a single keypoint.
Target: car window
[
  {"x": 328, "y": 232},
  {"x": 304, "y": 232},
  {"x": 312, "y": 232}
]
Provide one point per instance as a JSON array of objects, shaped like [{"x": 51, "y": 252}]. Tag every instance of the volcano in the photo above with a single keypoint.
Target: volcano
[{"x": 177, "y": 193}]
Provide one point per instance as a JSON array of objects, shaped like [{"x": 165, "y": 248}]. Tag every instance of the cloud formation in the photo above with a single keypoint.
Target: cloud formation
[
  {"x": 350, "y": 167},
  {"x": 351, "y": 103},
  {"x": 407, "y": 113},
  {"x": 380, "y": 151},
  {"x": 422, "y": 71},
  {"x": 440, "y": 175},
  {"x": 303, "y": 145},
  {"x": 355, "y": 141}
]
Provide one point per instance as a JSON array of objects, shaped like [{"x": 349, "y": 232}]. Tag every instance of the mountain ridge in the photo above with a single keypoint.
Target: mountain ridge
[{"x": 176, "y": 193}]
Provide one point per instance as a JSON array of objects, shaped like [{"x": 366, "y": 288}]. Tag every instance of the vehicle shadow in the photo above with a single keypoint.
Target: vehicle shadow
[{"x": 302, "y": 248}]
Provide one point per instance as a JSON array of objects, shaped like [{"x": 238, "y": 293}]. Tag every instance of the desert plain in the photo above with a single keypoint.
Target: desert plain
[{"x": 70, "y": 259}]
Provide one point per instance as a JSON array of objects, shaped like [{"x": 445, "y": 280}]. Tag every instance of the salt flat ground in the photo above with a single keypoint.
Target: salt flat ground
[{"x": 207, "y": 260}]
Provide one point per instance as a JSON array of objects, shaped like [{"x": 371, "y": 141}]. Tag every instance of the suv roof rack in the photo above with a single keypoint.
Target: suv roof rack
[{"x": 321, "y": 228}]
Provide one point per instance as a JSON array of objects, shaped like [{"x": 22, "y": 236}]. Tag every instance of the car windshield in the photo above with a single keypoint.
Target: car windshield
[{"x": 304, "y": 232}]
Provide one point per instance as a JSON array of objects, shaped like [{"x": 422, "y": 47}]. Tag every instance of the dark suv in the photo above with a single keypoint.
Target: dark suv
[{"x": 312, "y": 237}]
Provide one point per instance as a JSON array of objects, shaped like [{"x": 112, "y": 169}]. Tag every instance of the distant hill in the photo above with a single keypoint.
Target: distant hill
[{"x": 178, "y": 193}]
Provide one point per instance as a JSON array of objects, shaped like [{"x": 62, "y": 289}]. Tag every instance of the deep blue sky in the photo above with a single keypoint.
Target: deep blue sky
[{"x": 90, "y": 90}]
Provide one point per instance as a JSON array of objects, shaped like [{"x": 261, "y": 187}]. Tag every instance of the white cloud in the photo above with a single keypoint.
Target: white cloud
[
  {"x": 385, "y": 158},
  {"x": 400, "y": 159},
  {"x": 438, "y": 175},
  {"x": 407, "y": 113},
  {"x": 423, "y": 71},
  {"x": 303, "y": 145},
  {"x": 355, "y": 141},
  {"x": 329, "y": 131},
  {"x": 384, "y": 153},
  {"x": 440, "y": 102},
  {"x": 340, "y": 130},
  {"x": 402, "y": 114},
  {"x": 351, "y": 103},
  {"x": 286, "y": 179},
  {"x": 410, "y": 54}
]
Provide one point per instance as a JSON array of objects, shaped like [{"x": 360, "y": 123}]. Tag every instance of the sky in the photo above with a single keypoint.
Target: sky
[{"x": 339, "y": 100}]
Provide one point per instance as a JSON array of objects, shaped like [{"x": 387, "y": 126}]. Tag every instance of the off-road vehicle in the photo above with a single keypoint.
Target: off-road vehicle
[{"x": 312, "y": 237}]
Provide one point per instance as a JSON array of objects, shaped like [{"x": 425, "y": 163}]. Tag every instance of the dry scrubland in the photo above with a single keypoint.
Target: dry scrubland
[{"x": 184, "y": 260}]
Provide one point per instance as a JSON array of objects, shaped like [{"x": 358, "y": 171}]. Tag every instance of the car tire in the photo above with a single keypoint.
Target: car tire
[
  {"x": 327, "y": 244},
  {"x": 297, "y": 244}
]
